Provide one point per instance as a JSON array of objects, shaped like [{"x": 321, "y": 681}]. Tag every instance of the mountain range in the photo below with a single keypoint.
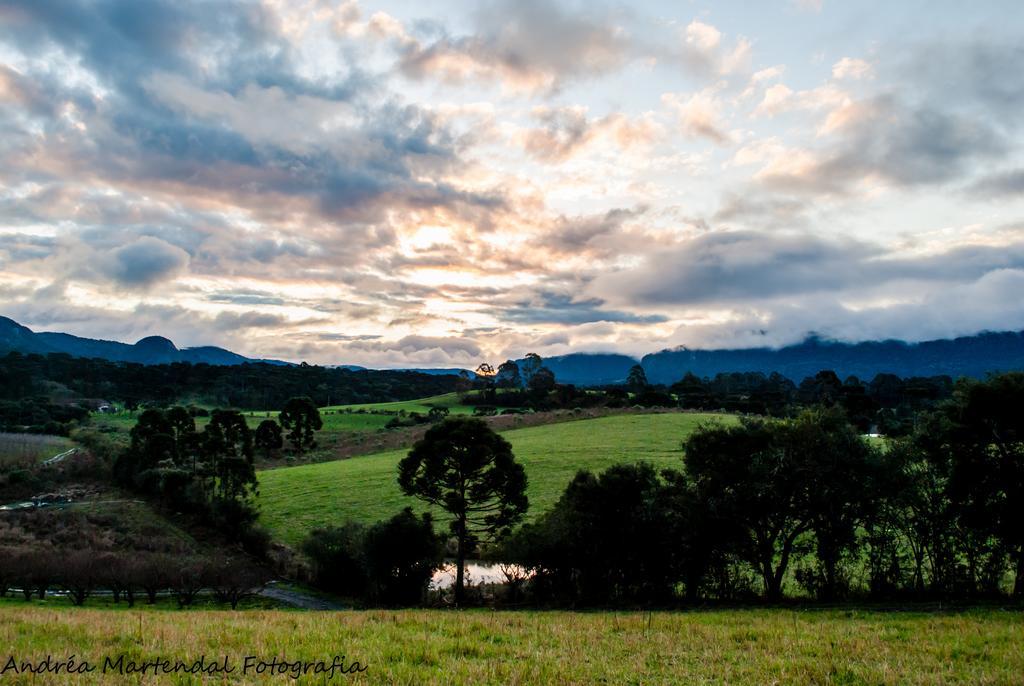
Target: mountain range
[
  {"x": 972, "y": 356},
  {"x": 149, "y": 350}
]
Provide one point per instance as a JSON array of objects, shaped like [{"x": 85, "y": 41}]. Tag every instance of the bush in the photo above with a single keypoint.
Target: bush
[
  {"x": 401, "y": 555},
  {"x": 336, "y": 557}
]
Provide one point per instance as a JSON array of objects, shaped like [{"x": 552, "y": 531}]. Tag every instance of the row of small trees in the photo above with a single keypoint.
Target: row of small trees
[
  {"x": 127, "y": 576},
  {"x": 764, "y": 504},
  {"x": 210, "y": 472}
]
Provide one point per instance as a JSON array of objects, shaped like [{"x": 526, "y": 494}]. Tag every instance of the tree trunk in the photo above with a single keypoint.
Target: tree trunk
[
  {"x": 1018, "y": 582},
  {"x": 460, "y": 564}
]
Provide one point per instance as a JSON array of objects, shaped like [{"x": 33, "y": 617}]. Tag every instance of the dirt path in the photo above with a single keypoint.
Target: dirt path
[
  {"x": 299, "y": 599},
  {"x": 60, "y": 458}
]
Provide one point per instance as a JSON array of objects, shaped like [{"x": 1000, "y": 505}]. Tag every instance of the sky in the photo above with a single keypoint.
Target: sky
[{"x": 439, "y": 184}]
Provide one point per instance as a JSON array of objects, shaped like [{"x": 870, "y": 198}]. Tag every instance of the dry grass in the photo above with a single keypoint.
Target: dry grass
[
  {"x": 26, "y": 449},
  {"x": 484, "y": 647}
]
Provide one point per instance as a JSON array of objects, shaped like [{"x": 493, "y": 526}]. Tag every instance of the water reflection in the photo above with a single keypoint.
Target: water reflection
[{"x": 477, "y": 573}]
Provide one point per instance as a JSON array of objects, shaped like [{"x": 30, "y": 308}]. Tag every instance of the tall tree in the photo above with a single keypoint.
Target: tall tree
[
  {"x": 300, "y": 418},
  {"x": 542, "y": 380},
  {"x": 839, "y": 466},
  {"x": 228, "y": 449},
  {"x": 637, "y": 379},
  {"x": 268, "y": 437},
  {"x": 508, "y": 375},
  {"x": 531, "y": 365},
  {"x": 757, "y": 482},
  {"x": 468, "y": 470}
]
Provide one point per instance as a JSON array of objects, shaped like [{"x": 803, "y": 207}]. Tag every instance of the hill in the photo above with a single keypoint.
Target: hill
[
  {"x": 590, "y": 369},
  {"x": 971, "y": 356},
  {"x": 294, "y": 500},
  {"x": 149, "y": 350}
]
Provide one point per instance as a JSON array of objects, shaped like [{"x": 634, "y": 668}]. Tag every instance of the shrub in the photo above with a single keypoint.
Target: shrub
[{"x": 401, "y": 555}]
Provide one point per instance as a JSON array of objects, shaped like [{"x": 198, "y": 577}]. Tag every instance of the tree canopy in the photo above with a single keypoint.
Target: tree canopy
[{"x": 469, "y": 471}]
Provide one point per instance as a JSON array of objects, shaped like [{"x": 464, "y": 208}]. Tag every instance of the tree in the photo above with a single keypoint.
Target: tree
[
  {"x": 183, "y": 428},
  {"x": 300, "y": 417},
  {"x": 531, "y": 365},
  {"x": 152, "y": 442},
  {"x": 437, "y": 414},
  {"x": 604, "y": 540},
  {"x": 542, "y": 381},
  {"x": 228, "y": 463},
  {"x": 839, "y": 467},
  {"x": 637, "y": 379},
  {"x": 755, "y": 481},
  {"x": 268, "y": 437},
  {"x": 465, "y": 468},
  {"x": 228, "y": 451},
  {"x": 508, "y": 375},
  {"x": 401, "y": 555},
  {"x": 336, "y": 554}
]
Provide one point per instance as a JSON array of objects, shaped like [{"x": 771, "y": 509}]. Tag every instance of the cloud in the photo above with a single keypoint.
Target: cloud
[
  {"x": 145, "y": 262},
  {"x": 420, "y": 348},
  {"x": 528, "y": 45},
  {"x": 851, "y": 68},
  {"x": 900, "y": 144},
  {"x": 1001, "y": 185},
  {"x": 957, "y": 309},
  {"x": 565, "y": 132},
  {"x": 731, "y": 267},
  {"x": 809, "y": 5},
  {"x": 703, "y": 52},
  {"x": 700, "y": 114}
]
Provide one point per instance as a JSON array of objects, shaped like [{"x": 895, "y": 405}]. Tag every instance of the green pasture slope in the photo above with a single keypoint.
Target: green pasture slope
[
  {"x": 336, "y": 418},
  {"x": 742, "y": 647},
  {"x": 421, "y": 405},
  {"x": 334, "y": 421},
  {"x": 294, "y": 500}
]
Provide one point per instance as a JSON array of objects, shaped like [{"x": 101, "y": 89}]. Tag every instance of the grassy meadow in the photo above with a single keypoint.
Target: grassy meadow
[
  {"x": 749, "y": 646},
  {"x": 421, "y": 405},
  {"x": 16, "y": 448},
  {"x": 294, "y": 500}
]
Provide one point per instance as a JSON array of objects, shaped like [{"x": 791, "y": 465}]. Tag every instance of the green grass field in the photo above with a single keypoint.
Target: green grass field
[
  {"x": 334, "y": 422},
  {"x": 295, "y": 500},
  {"x": 756, "y": 646},
  {"x": 421, "y": 405}
]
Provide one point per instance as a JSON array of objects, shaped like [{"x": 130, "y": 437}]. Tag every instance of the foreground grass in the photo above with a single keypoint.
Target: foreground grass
[
  {"x": 484, "y": 647},
  {"x": 297, "y": 499}
]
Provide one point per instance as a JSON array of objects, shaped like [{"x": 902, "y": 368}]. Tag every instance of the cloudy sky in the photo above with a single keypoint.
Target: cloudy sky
[{"x": 439, "y": 183}]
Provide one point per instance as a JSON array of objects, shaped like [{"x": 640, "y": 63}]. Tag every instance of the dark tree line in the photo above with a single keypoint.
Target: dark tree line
[
  {"x": 127, "y": 576},
  {"x": 254, "y": 386},
  {"x": 769, "y": 505},
  {"x": 40, "y": 416},
  {"x": 886, "y": 404}
]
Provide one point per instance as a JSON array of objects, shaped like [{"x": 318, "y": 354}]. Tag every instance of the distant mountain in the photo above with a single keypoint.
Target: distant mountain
[
  {"x": 589, "y": 369},
  {"x": 972, "y": 356},
  {"x": 438, "y": 372},
  {"x": 150, "y": 350}
]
